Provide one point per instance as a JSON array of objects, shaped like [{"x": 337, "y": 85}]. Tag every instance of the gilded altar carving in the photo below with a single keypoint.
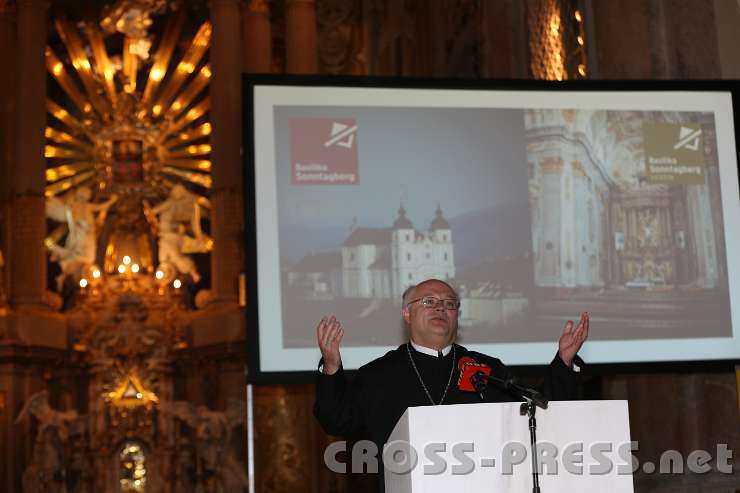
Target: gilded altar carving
[
  {"x": 129, "y": 338},
  {"x": 546, "y": 43},
  {"x": 214, "y": 460},
  {"x": 110, "y": 137}
]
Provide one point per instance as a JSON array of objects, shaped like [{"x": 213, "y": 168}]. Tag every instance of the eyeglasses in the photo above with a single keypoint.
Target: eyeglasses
[{"x": 434, "y": 302}]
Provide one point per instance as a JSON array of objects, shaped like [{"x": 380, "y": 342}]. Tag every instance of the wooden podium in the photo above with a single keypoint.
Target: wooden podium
[{"x": 499, "y": 434}]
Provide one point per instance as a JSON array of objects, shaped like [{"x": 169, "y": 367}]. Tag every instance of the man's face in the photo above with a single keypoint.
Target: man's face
[{"x": 431, "y": 327}]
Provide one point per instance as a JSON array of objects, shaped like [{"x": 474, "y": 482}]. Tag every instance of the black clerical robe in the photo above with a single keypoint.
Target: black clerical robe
[{"x": 383, "y": 389}]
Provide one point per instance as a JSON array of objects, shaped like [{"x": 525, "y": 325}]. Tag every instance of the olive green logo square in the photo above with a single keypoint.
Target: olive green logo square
[{"x": 674, "y": 153}]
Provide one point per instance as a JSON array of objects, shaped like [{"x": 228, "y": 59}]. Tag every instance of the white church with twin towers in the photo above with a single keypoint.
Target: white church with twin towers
[{"x": 383, "y": 262}]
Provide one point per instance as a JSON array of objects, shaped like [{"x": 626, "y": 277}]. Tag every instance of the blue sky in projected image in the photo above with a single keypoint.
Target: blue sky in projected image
[{"x": 466, "y": 160}]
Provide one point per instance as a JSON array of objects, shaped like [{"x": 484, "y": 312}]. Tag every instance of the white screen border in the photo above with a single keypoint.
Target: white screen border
[{"x": 273, "y": 357}]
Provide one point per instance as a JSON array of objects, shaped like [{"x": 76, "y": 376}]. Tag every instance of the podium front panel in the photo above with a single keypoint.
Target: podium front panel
[{"x": 499, "y": 436}]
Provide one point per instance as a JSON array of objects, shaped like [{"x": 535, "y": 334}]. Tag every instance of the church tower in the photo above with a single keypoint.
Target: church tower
[
  {"x": 442, "y": 250},
  {"x": 402, "y": 256}
]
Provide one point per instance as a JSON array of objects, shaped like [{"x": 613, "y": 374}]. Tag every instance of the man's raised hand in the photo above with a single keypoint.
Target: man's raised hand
[
  {"x": 329, "y": 333},
  {"x": 572, "y": 339}
]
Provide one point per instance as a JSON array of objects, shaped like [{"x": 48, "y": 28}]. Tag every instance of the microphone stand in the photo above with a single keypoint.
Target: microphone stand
[
  {"x": 533, "y": 399},
  {"x": 529, "y": 409}
]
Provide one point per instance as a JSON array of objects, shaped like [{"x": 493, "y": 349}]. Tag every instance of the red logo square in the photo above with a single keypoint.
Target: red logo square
[{"x": 323, "y": 151}]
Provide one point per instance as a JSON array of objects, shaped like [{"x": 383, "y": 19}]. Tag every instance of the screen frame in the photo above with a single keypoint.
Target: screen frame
[{"x": 255, "y": 375}]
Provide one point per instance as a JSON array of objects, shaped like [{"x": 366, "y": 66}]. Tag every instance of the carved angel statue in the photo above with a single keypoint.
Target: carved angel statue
[
  {"x": 213, "y": 434},
  {"x": 47, "y": 464},
  {"x": 79, "y": 248},
  {"x": 38, "y": 406},
  {"x": 179, "y": 212}
]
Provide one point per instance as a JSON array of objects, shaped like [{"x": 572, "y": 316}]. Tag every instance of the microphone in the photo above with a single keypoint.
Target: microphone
[
  {"x": 469, "y": 369},
  {"x": 474, "y": 377}
]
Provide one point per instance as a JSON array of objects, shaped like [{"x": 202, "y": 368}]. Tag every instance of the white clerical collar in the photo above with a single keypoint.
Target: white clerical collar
[{"x": 430, "y": 351}]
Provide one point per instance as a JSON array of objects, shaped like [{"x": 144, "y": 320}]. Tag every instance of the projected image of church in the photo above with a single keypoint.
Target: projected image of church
[
  {"x": 383, "y": 262},
  {"x": 529, "y": 214},
  {"x": 375, "y": 266},
  {"x": 411, "y": 194},
  {"x": 627, "y": 218}
]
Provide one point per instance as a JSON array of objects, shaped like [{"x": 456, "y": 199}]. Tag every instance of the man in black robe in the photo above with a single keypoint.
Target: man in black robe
[{"x": 422, "y": 371}]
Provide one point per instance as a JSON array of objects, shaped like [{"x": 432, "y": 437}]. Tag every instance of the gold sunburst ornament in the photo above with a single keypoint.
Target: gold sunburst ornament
[
  {"x": 113, "y": 131},
  {"x": 125, "y": 125}
]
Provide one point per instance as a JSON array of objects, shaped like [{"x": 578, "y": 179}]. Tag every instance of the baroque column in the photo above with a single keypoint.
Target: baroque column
[
  {"x": 226, "y": 194},
  {"x": 301, "y": 48},
  {"x": 7, "y": 122},
  {"x": 8, "y": 401},
  {"x": 256, "y": 37},
  {"x": 28, "y": 263}
]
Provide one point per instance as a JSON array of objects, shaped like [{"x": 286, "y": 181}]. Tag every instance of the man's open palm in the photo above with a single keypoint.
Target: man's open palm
[
  {"x": 572, "y": 339},
  {"x": 329, "y": 333}
]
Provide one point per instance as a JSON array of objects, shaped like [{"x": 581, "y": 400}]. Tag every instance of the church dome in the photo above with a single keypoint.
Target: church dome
[
  {"x": 402, "y": 222},
  {"x": 439, "y": 221}
]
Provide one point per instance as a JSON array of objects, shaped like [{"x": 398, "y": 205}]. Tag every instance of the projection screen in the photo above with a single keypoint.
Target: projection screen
[{"x": 536, "y": 201}]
